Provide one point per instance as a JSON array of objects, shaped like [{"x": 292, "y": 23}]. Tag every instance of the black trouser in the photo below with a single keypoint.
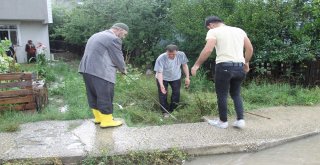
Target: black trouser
[
  {"x": 175, "y": 97},
  {"x": 228, "y": 79},
  {"x": 99, "y": 93},
  {"x": 32, "y": 57}
]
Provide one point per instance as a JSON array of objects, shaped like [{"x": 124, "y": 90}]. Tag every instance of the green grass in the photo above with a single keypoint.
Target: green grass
[
  {"x": 173, "y": 156},
  {"x": 137, "y": 98}
]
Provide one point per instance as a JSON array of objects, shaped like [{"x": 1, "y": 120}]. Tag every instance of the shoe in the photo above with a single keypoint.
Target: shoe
[
  {"x": 107, "y": 121},
  {"x": 166, "y": 115},
  {"x": 218, "y": 123},
  {"x": 239, "y": 124},
  {"x": 97, "y": 116}
]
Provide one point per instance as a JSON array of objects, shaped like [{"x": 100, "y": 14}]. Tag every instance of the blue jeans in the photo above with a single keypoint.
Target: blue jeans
[
  {"x": 228, "y": 79},
  {"x": 175, "y": 97}
]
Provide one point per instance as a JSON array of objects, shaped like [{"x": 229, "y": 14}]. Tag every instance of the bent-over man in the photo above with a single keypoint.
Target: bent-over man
[
  {"x": 101, "y": 59},
  {"x": 231, "y": 66},
  {"x": 168, "y": 72}
]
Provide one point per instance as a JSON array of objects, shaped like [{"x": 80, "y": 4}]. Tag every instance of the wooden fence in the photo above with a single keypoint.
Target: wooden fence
[
  {"x": 19, "y": 92},
  {"x": 304, "y": 73}
]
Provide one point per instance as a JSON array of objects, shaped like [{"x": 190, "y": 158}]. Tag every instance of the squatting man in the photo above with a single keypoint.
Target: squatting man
[{"x": 168, "y": 72}]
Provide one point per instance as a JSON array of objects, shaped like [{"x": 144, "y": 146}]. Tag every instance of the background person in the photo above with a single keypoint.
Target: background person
[
  {"x": 231, "y": 66},
  {"x": 168, "y": 72},
  {"x": 11, "y": 52},
  {"x": 41, "y": 49},
  {"x": 101, "y": 59},
  {"x": 31, "y": 51}
]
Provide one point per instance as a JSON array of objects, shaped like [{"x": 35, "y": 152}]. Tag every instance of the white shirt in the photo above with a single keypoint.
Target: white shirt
[{"x": 229, "y": 43}]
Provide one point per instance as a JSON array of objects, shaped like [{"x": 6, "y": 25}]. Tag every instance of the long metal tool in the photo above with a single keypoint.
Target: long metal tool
[
  {"x": 250, "y": 113},
  {"x": 155, "y": 100}
]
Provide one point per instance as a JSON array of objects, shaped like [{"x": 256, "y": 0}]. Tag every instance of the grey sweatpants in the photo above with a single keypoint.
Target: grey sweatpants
[{"x": 99, "y": 93}]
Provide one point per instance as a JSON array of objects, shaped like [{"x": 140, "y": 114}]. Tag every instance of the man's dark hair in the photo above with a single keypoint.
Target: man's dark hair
[
  {"x": 212, "y": 19},
  {"x": 171, "y": 48}
]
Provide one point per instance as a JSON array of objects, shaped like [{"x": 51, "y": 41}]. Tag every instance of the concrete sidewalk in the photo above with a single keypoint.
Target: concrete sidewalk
[{"x": 70, "y": 140}]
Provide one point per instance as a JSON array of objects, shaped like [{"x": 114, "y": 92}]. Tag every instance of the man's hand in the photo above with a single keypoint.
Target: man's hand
[
  {"x": 187, "y": 83},
  {"x": 163, "y": 89},
  {"x": 246, "y": 67},
  {"x": 194, "y": 70},
  {"x": 125, "y": 72}
]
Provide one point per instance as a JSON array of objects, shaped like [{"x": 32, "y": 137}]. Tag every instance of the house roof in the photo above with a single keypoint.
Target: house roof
[{"x": 26, "y": 10}]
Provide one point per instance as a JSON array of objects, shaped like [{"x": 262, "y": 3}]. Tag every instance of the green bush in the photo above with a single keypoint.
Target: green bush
[
  {"x": 172, "y": 156},
  {"x": 281, "y": 31},
  {"x": 147, "y": 20},
  {"x": 7, "y": 64}
]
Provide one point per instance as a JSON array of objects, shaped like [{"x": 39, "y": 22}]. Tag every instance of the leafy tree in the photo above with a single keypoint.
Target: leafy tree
[
  {"x": 188, "y": 17},
  {"x": 147, "y": 20},
  {"x": 281, "y": 31},
  {"x": 311, "y": 21},
  {"x": 60, "y": 15},
  {"x": 274, "y": 29}
]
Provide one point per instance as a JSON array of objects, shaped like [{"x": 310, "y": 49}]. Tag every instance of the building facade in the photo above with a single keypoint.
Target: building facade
[{"x": 23, "y": 20}]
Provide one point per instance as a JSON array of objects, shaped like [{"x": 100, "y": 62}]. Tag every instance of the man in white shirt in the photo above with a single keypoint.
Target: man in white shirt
[{"x": 231, "y": 66}]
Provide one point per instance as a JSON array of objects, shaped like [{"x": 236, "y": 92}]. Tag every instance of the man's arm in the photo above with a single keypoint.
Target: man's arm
[
  {"x": 205, "y": 53},
  {"x": 158, "y": 67},
  {"x": 248, "y": 53},
  {"x": 116, "y": 55},
  {"x": 186, "y": 73},
  {"x": 160, "y": 80}
]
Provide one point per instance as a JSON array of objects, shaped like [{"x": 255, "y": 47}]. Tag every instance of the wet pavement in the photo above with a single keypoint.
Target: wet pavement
[
  {"x": 304, "y": 151},
  {"x": 80, "y": 138}
]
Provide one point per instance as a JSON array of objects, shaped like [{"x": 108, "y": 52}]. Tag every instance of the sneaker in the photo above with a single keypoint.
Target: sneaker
[
  {"x": 166, "y": 115},
  {"x": 218, "y": 123},
  {"x": 239, "y": 124}
]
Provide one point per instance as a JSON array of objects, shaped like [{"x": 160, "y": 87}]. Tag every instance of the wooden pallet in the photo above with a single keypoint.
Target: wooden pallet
[{"x": 16, "y": 92}]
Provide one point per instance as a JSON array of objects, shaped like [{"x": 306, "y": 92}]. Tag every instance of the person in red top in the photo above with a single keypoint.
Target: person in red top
[{"x": 31, "y": 51}]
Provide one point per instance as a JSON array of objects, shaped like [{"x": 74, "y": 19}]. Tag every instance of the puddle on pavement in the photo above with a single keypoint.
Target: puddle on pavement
[{"x": 305, "y": 151}]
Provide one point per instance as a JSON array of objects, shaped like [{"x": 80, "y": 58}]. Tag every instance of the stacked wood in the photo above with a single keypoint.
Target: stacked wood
[
  {"x": 40, "y": 92},
  {"x": 17, "y": 92}
]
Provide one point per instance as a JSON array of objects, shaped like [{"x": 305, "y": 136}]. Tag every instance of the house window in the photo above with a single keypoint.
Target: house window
[{"x": 9, "y": 32}]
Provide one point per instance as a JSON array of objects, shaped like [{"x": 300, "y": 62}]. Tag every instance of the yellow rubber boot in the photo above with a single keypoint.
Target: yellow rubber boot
[
  {"x": 107, "y": 121},
  {"x": 97, "y": 116}
]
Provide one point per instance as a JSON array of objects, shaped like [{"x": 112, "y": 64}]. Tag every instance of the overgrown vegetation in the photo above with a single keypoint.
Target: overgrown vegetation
[
  {"x": 137, "y": 106},
  {"x": 173, "y": 156},
  {"x": 7, "y": 64}
]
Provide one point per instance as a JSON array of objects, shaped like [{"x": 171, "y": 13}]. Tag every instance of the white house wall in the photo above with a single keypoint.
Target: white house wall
[
  {"x": 35, "y": 31},
  {"x": 25, "y": 10},
  {"x": 32, "y": 18}
]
